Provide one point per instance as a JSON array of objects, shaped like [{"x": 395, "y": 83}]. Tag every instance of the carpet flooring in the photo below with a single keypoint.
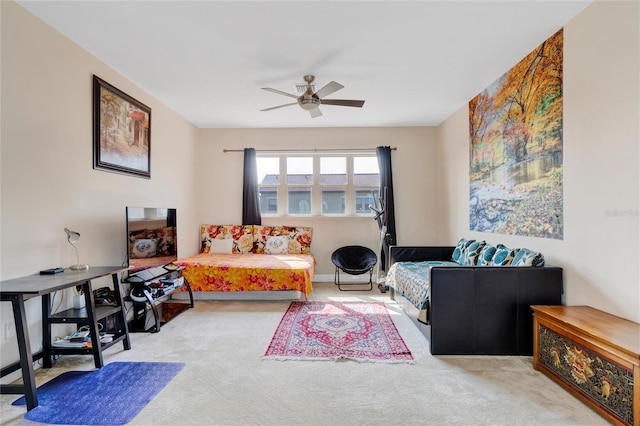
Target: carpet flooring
[{"x": 226, "y": 381}]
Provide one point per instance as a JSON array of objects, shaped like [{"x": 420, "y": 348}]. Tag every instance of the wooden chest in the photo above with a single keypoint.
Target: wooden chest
[{"x": 592, "y": 354}]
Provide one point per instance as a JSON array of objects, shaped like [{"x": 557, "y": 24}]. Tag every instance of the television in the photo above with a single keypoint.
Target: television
[{"x": 152, "y": 238}]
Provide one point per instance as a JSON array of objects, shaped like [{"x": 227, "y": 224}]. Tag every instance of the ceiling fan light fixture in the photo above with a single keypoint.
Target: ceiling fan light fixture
[
  {"x": 308, "y": 104},
  {"x": 309, "y": 99}
]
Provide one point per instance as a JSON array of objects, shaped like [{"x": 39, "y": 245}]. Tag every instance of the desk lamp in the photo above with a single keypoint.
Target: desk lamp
[{"x": 73, "y": 237}]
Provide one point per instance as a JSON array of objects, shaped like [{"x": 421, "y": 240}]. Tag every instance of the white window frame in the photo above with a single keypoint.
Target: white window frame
[{"x": 316, "y": 187}]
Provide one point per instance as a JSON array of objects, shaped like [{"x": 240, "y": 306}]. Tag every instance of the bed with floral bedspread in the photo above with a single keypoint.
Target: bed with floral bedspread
[
  {"x": 220, "y": 272},
  {"x": 251, "y": 258}
]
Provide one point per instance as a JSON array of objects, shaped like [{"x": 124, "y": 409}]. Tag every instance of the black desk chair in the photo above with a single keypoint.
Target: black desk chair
[{"x": 354, "y": 260}]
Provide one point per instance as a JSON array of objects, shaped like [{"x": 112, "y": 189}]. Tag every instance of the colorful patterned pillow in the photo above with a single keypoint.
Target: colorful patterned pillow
[
  {"x": 242, "y": 236},
  {"x": 470, "y": 254},
  {"x": 504, "y": 255},
  {"x": 277, "y": 245},
  {"x": 299, "y": 237},
  {"x": 457, "y": 252},
  {"x": 485, "y": 255},
  {"x": 526, "y": 257},
  {"x": 260, "y": 235},
  {"x": 207, "y": 233}
]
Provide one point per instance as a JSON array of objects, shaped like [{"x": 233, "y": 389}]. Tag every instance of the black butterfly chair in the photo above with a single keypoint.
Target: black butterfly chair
[{"x": 354, "y": 260}]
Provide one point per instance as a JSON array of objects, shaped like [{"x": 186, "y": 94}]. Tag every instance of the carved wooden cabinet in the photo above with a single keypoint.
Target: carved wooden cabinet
[{"x": 592, "y": 354}]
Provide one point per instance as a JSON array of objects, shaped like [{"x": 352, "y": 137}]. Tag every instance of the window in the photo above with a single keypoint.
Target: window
[
  {"x": 299, "y": 179},
  {"x": 318, "y": 184},
  {"x": 366, "y": 180},
  {"x": 333, "y": 184},
  {"x": 269, "y": 180}
]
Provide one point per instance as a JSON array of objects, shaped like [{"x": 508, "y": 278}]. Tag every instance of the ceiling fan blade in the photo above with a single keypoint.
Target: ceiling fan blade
[
  {"x": 328, "y": 89},
  {"x": 279, "y": 106},
  {"x": 315, "y": 113},
  {"x": 280, "y": 92},
  {"x": 342, "y": 102}
]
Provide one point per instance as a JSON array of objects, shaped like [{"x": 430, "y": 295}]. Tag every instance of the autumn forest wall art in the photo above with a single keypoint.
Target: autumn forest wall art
[{"x": 515, "y": 149}]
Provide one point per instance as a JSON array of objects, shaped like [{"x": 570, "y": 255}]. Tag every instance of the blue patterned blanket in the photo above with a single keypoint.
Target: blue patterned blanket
[{"x": 412, "y": 281}]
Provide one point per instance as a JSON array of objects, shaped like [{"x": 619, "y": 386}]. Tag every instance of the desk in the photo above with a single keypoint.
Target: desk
[{"x": 18, "y": 290}]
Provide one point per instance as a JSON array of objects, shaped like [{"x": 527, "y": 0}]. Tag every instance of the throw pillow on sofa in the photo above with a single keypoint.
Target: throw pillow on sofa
[
  {"x": 470, "y": 254},
  {"x": 526, "y": 257},
  {"x": 504, "y": 255},
  {"x": 457, "y": 252},
  {"x": 486, "y": 255}
]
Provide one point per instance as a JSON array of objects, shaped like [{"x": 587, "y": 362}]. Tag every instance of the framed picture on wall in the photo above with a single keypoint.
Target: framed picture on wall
[{"x": 121, "y": 132}]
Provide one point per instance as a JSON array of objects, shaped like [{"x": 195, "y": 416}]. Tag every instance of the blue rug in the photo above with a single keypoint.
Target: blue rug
[{"x": 111, "y": 395}]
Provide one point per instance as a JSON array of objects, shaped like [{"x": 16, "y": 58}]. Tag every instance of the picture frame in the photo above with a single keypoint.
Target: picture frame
[{"x": 121, "y": 132}]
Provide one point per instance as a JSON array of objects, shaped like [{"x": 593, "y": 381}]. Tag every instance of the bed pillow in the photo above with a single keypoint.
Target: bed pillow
[
  {"x": 299, "y": 239},
  {"x": 218, "y": 245},
  {"x": 485, "y": 255},
  {"x": 457, "y": 252},
  {"x": 144, "y": 248},
  {"x": 504, "y": 255},
  {"x": 260, "y": 235},
  {"x": 277, "y": 245},
  {"x": 208, "y": 233},
  {"x": 470, "y": 254},
  {"x": 242, "y": 236},
  {"x": 526, "y": 257}
]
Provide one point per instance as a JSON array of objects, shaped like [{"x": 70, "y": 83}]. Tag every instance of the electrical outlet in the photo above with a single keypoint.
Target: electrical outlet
[{"x": 9, "y": 330}]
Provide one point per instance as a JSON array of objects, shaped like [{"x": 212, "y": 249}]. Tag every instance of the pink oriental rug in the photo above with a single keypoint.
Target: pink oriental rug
[{"x": 360, "y": 331}]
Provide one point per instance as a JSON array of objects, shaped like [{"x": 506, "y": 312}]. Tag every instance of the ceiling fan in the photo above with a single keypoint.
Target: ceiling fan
[{"x": 310, "y": 99}]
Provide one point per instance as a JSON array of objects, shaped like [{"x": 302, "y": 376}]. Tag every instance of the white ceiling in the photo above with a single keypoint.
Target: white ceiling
[{"x": 414, "y": 63}]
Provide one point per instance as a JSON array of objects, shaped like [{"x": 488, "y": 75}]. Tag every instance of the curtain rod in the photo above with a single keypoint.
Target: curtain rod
[{"x": 274, "y": 151}]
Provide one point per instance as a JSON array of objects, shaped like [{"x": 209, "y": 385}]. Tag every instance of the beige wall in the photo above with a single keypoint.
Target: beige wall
[
  {"x": 413, "y": 164},
  {"x": 600, "y": 252},
  {"x": 46, "y": 172}
]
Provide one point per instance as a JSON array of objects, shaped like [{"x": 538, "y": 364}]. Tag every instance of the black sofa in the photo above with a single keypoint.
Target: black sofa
[{"x": 479, "y": 310}]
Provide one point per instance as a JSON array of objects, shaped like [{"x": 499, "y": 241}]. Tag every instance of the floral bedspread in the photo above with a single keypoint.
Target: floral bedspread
[
  {"x": 412, "y": 280},
  {"x": 249, "y": 272}
]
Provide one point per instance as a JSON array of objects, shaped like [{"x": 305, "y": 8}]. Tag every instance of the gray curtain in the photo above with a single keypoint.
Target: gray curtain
[
  {"x": 386, "y": 194},
  {"x": 250, "y": 191}
]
